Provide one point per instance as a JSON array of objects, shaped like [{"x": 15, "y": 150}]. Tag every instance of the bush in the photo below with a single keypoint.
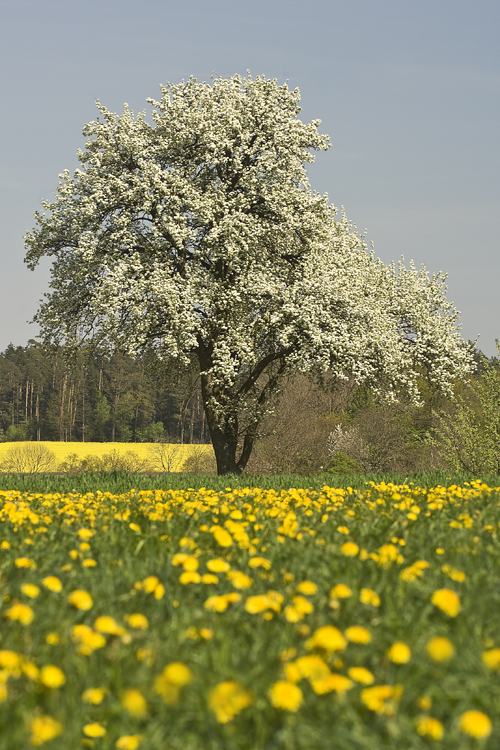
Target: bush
[{"x": 31, "y": 458}]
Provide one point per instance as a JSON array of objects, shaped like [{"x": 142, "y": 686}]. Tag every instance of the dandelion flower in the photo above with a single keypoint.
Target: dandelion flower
[
  {"x": 491, "y": 658},
  {"x": 218, "y": 565},
  {"x": 340, "y": 591},
  {"x": 128, "y": 742},
  {"x": 81, "y": 600},
  {"x": 361, "y": 675},
  {"x": 429, "y": 727},
  {"x": 312, "y": 667},
  {"x": 189, "y": 576},
  {"x": 440, "y": 649},
  {"x": 399, "y": 653},
  {"x": 259, "y": 562},
  {"x": 222, "y": 537},
  {"x": 328, "y": 638},
  {"x": 94, "y": 730},
  {"x": 137, "y": 621},
  {"x": 29, "y": 589},
  {"x": 349, "y": 549},
  {"x": 108, "y": 625},
  {"x": 52, "y": 638},
  {"x": 382, "y": 698},
  {"x": 368, "y": 596},
  {"x": 209, "y": 578},
  {"x": 94, "y": 695},
  {"x": 307, "y": 587},
  {"x": 44, "y": 729},
  {"x": 333, "y": 683},
  {"x": 52, "y": 583},
  {"x": 285, "y": 695},
  {"x": 447, "y": 601},
  {"x": 227, "y": 699},
  {"x": 24, "y": 562},
  {"x": 134, "y": 702},
  {"x": 52, "y": 676},
  {"x": 20, "y": 612},
  {"x": 475, "y": 724},
  {"x": 358, "y": 634}
]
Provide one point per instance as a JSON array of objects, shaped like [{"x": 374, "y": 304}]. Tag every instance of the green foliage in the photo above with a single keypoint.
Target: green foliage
[{"x": 468, "y": 434}]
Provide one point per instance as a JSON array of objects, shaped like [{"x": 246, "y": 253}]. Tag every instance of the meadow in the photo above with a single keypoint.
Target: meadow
[{"x": 250, "y": 618}]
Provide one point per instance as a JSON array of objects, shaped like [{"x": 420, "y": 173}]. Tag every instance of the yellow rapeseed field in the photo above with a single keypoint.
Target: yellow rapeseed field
[{"x": 154, "y": 456}]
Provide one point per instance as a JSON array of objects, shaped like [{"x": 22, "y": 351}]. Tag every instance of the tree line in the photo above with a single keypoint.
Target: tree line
[
  {"x": 45, "y": 395},
  {"x": 334, "y": 425}
]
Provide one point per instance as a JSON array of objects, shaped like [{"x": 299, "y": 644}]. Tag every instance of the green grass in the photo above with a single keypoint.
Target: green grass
[{"x": 117, "y": 482}]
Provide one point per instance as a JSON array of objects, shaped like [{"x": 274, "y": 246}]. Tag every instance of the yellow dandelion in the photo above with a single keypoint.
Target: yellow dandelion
[
  {"x": 328, "y": 638},
  {"x": 332, "y": 683},
  {"x": 108, "y": 625},
  {"x": 189, "y": 576},
  {"x": 95, "y": 696},
  {"x": 221, "y": 536},
  {"x": 239, "y": 580},
  {"x": 20, "y": 612},
  {"x": 361, "y": 675},
  {"x": 302, "y": 605},
  {"x": 206, "y": 633},
  {"x": 209, "y": 578},
  {"x": 227, "y": 699},
  {"x": 52, "y": 583},
  {"x": 307, "y": 587},
  {"x": 94, "y": 730},
  {"x": 475, "y": 724},
  {"x": 10, "y": 660},
  {"x": 440, "y": 649},
  {"x": 218, "y": 565},
  {"x": 135, "y": 527},
  {"x": 44, "y": 729},
  {"x": 29, "y": 589},
  {"x": 340, "y": 591},
  {"x": 429, "y": 727},
  {"x": 135, "y": 703},
  {"x": 368, "y": 596},
  {"x": 85, "y": 534},
  {"x": 24, "y": 562},
  {"x": 259, "y": 562},
  {"x": 128, "y": 742},
  {"x": 491, "y": 658},
  {"x": 52, "y": 676},
  {"x": 52, "y": 638},
  {"x": 358, "y": 634},
  {"x": 447, "y": 601},
  {"x": 81, "y": 600},
  {"x": 349, "y": 549},
  {"x": 137, "y": 621},
  {"x": 399, "y": 653},
  {"x": 285, "y": 695},
  {"x": 453, "y": 573},
  {"x": 89, "y": 563},
  {"x": 311, "y": 667},
  {"x": 382, "y": 698},
  {"x": 149, "y": 584}
]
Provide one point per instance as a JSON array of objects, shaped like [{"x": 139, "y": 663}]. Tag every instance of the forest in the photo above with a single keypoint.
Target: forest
[{"x": 332, "y": 425}]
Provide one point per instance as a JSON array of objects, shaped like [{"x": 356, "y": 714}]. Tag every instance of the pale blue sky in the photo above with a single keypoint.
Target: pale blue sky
[{"x": 408, "y": 92}]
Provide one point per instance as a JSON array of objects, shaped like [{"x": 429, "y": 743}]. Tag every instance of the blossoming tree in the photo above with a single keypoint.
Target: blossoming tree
[{"x": 197, "y": 235}]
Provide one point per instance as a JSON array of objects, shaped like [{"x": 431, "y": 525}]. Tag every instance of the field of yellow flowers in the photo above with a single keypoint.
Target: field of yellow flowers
[{"x": 251, "y": 619}]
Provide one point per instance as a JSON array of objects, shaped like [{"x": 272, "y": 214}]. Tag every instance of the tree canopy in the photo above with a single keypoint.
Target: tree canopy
[{"x": 197, "y": 236}]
